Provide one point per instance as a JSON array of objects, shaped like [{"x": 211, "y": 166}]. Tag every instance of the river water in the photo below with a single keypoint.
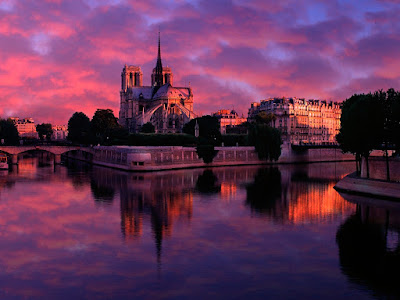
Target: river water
[{"x": 81, "y": 232}]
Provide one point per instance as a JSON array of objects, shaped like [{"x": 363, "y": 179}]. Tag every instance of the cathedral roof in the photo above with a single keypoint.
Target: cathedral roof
[
  {"x": 144, "y": 90},
  {"x": 170, "y": 92},
  {"x": 164, "y": 92}
]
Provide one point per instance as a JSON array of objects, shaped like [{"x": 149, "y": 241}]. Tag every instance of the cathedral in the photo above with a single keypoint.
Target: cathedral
[{"x": 167, "y": 107}]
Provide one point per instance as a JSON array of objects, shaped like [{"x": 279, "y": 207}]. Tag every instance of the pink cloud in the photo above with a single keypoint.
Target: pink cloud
[{"x": 58, "y": 57}]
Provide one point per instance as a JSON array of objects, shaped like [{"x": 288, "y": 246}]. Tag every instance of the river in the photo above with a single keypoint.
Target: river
[{"x": 77, "y": 231}]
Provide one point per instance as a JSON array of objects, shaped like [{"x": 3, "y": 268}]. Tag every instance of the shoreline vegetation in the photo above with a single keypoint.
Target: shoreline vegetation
[
  {"x": 202, "y": 133},
  {"x": 370, "y": 122}
]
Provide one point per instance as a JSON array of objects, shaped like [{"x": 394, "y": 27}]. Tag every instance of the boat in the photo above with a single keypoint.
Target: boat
[{"x": 3, "y": 162}]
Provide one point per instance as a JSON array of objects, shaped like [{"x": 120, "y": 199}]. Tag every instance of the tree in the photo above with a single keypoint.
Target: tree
[
  {"x": 8, "y": 132},
  {"x": 209, "y": 136},
  {"x": 362, "y": 126},
  {"x": 148, "y": 128},
  {"x": 209, "y": 129},
  {"x": 206, "y": 152},
  {"x": 265, "y": 118},
  {"x": 266, "y": 140},
  {"x": 391, "y": 103},
  {"x": 44, "y": 129},
  {"x": 79, "y": 128},
  {"x": 103, "y": 124}
]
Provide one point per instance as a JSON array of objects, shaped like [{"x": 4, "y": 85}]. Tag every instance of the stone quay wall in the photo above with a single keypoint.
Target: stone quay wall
[
  {"x": 148, "y": 158},
  {"x": 377, "y": 168}
]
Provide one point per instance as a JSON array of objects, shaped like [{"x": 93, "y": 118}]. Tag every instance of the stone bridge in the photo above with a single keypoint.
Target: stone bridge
[{"x": 13, "y": 151}]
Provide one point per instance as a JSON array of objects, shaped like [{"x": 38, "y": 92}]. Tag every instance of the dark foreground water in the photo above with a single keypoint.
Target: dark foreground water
[{"x": 76, "y": 231}]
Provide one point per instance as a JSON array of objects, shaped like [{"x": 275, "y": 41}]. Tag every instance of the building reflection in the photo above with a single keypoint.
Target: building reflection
[
  {"x": 5, "y": 181},
  {"x": 297, "y": 194},
  {"x": 158, "y": 198},
  {"x": 315, "y": 202},
  {"x": 163, "y": 200},
  {"x": 228, "y": 191},
  {"x": 369, "y": 246}
]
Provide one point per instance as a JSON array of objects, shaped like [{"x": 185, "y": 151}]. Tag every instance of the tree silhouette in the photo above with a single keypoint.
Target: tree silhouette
[
  {"x": 79, "y": 129},
  {"x": 266, "y": 140},
  {"x": 148, "y": 128},
  {"x": 362, "y": 125},
  {"x": 209, "y": 129},
  {"x": 8, "y": 132},
  {"x": 103, "y": 124},
  {"x": 44, "y": 129}
]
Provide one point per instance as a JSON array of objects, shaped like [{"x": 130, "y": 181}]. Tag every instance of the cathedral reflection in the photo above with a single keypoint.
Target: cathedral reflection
[
  {"x": 163, "y": 200},
  {"x": 160, "y": 198},
  {"x": 369, "y": 246}
]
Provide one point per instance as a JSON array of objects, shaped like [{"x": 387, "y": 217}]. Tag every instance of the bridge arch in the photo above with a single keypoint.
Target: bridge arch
[{"x": 57, "y": 151}]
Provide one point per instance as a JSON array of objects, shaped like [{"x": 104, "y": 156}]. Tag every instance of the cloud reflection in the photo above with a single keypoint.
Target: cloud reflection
[{"x": 56, "y": 240}]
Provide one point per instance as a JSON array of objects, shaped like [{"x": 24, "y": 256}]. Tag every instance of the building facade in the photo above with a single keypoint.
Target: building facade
[
  {"x": 228, "y": 119},
  {"x": 60, "y": 132},
  {"x": 167, "y": 107},
  {"x": 26, "y": 127},
  {"x": 302, "y": 121}
]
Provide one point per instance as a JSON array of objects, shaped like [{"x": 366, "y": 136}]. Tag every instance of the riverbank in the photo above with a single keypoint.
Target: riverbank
[
  {"x": 149, "y": 158},
  {"x": 353, "y": 184}
]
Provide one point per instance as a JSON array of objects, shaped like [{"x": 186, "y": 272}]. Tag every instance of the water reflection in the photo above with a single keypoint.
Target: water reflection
[
  {"x": 160, "y": 199},
  {"x": 207, "y": 183},
  {"x": 369, "y": 245},
  {"x": 5, "y": 181},
  {"x": 78, "y": 172},
  {"x": 102, "y": 194},
  {"x": 265, "y": 193},
  {"x": 114, "y": 234},
  {"x": 296, "y": 194}
]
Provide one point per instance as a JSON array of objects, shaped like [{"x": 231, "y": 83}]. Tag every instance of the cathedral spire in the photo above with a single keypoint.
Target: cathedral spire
[
  {"x": 159, "y": 47},
  {"x": 159, "y": 67}
]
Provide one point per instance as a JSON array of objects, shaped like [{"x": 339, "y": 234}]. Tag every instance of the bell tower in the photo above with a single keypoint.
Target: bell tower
[
  {"x": 161, "y": 75},
  {"x": 131, "y": 76}
]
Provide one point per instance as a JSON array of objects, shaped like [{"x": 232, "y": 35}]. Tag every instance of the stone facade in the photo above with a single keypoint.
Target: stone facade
[
  {"x": 302, "y": 121},
  {"x": 60, "y": 132},
  {"x": 228, "y": 118},
  {"x": 378, "y": 168},
  {"x": 149, "y": 158},
  {"x": 26, "y": 127},
  {"x": 167, "y": 107}
]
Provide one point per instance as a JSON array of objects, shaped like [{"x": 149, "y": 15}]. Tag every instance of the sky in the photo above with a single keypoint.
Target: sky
[{"x": 62, "y": 56}]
